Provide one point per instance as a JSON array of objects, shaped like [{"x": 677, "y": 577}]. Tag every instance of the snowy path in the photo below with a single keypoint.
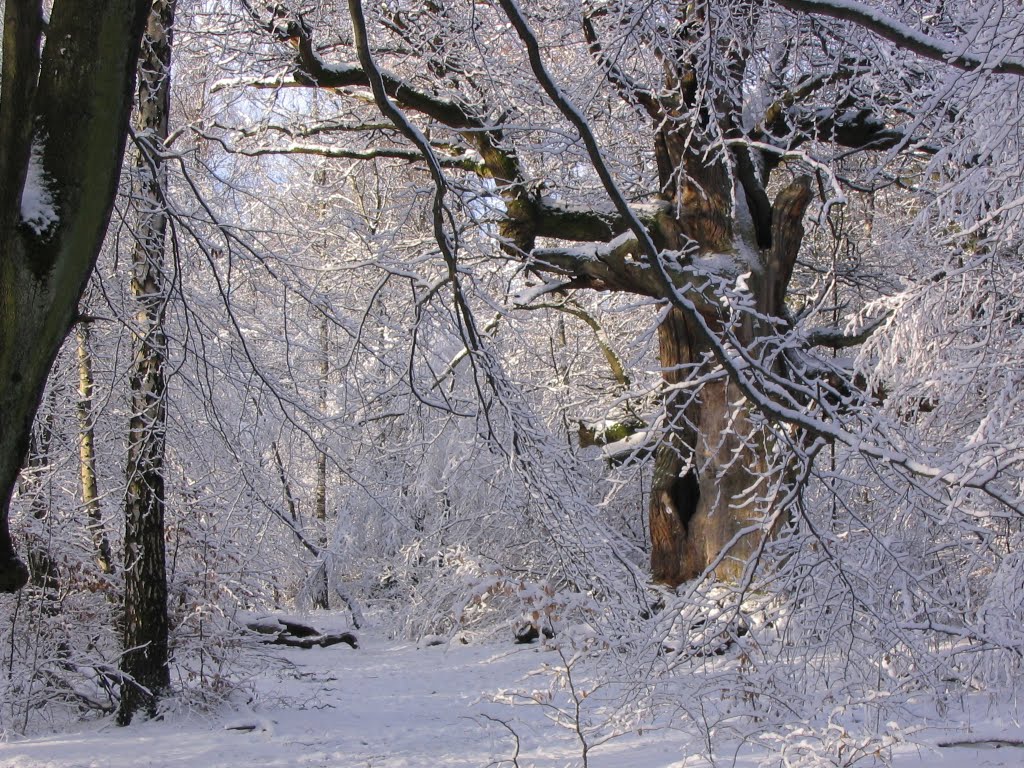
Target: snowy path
[
  {"x": 384, "y": 706},
  {"x": 391, "y": 705}
]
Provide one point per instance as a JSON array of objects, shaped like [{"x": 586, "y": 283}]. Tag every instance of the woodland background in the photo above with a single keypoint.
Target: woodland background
[{"x": 686, "y": 331}]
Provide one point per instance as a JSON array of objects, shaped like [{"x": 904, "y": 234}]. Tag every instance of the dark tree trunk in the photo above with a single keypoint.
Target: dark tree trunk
[
  {"x": 64, "y": 112},
  {"x": 145, "y": 613}
]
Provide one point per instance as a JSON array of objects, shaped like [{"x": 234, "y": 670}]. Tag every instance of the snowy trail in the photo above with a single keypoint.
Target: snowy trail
[
  {"x": 384, "y": 706},
  {"x": 391, "y": 705}
]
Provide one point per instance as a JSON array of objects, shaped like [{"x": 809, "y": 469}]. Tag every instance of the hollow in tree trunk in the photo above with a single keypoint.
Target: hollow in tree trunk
[{"x": 708, "y": 511}]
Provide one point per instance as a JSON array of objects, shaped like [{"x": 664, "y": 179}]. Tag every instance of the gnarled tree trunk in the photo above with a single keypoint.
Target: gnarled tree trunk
[{"x": 707, "y": 508}]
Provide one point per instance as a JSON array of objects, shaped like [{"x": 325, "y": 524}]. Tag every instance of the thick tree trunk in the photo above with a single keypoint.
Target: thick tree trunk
[
  {"x": 145, "y": 614},
  {"x": 707, "y": 510},
  {"x": 675, "y": 492},
  {"x": 63, "y": 121},
  {"x": 701, "y": 499}
]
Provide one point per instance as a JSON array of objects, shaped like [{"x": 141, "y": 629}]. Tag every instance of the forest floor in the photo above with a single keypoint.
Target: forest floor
[{"x": 398, "y": 705}]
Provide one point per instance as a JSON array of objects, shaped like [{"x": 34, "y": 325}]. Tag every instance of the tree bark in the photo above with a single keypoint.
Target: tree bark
[
  {"x": 321, "y": 579},
  {"x": 63, "y": 123},
  {"x": 145, "y": 611},
  {"x": 87, "y": 454},
  {"x": 704, "y": 507}
]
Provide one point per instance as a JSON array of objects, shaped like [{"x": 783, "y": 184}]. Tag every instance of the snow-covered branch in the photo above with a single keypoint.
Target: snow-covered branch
[{"x": 906, "y": 37}]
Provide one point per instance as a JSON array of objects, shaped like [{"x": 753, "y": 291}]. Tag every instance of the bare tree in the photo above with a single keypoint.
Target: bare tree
[{"x": 728, "y": 130}]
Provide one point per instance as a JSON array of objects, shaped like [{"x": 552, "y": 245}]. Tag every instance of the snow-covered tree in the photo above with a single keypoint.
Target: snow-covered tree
[{"x": 684, "y": 146}]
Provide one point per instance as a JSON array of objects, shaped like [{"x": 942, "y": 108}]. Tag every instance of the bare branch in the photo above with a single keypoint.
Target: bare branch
[
  {"x": 836, "y": 338},
  {"x": 904, "y": 36}
]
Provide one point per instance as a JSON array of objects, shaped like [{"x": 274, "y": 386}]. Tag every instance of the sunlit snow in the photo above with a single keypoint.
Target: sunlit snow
[
  {"x": 396, "y": 704},
  {"x": 37, "y": 207}
]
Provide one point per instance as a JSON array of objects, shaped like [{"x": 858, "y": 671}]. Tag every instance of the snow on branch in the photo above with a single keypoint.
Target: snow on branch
[
  {"x": 774, "y": 396},
  {"x": 904, "y": 36},
  {"x": 466, "y": 162}
]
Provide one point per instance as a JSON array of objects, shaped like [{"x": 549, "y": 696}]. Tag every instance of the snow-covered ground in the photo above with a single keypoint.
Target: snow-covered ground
[{"x": 395, "y": 705}]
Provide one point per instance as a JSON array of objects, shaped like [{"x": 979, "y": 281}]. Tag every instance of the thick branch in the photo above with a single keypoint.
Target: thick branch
[
  {"x": 789, "y": 121},
  {"x": 564, "y": 221},
  {"x": 851, "y": 128},
  {"x": 604, "y": 267},
  {"x": 465, "y": 162},
  {"x": 904, "y": 36},
  {"x": 836, "y": 338},
  {"x": 788, "y": 233},
  {"x": 775, "y": 120}
]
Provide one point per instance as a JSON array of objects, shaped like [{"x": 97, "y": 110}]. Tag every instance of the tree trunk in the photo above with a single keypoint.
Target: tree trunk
[
  {"x": 63, "y": 122},
  {"x": 87, "y": 454},
  {"x": 704, "y": 471},
  {"x": 321, "y": 578},
  {"x": 707, "y": 505},
  {"x": 145, "y": 614}
]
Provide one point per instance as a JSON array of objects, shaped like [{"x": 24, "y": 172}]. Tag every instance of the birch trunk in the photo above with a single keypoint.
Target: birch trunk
[{"x": 87, "y": 454}]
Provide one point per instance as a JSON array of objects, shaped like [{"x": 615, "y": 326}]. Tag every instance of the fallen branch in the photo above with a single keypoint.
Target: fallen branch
[{"x": 294, "y": 634}]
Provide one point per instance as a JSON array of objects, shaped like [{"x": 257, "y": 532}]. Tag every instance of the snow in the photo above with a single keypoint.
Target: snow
[
  {"x": 402, "y": 705},
  {"x": 343, "y": 69},
  {"x": 635, "y": 442},
  {"x": 532, "y": 293},
  {"x": 37, "y": 208}
]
